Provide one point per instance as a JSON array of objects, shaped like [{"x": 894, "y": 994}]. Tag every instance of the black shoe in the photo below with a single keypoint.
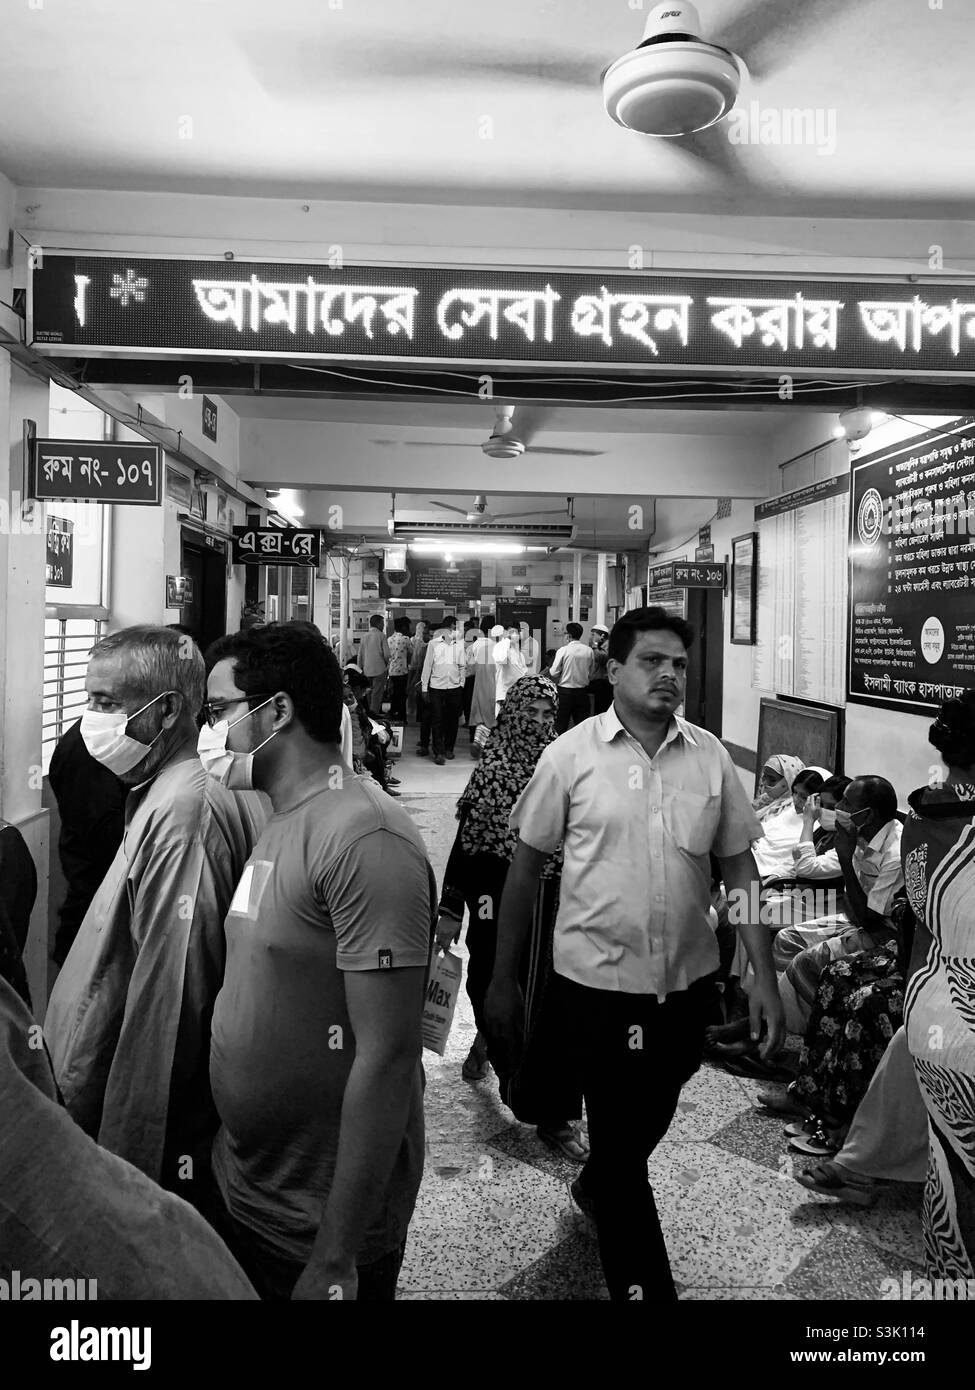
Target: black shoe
[
  {"x": 450, "y": 753},
  {"x": 439, "y": 760},
  {"x": 584, "y": 1203},
  {"x": 423, "y": 752},
  {"x": 394, "y": 781},
  {"x": 391, "y": 791}
]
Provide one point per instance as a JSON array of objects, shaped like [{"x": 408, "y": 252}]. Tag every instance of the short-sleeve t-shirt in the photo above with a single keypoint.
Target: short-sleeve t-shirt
[{"x": 340, "y": 882}]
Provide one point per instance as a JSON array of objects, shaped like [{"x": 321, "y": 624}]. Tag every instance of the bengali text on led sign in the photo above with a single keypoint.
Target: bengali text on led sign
[{"x": 105, "y": 304}]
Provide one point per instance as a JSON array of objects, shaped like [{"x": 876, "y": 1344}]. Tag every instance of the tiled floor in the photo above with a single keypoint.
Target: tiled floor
[{"x": 495, "y": 1219}]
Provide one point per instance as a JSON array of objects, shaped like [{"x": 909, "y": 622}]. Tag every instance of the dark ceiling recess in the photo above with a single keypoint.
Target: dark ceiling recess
[{"x": 642, "y": 390}]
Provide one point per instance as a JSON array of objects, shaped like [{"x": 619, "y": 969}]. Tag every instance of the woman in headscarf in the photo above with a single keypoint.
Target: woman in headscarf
[
  {"x": 775, "y": 787},
  {"x": 783, "y": 826},
  {"x": 534, "y": 1084}
]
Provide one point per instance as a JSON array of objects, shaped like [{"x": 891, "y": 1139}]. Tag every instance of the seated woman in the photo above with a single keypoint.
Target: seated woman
[
  {"x": 774, "y": 852},
  {"x": 815, "y": 867},
  {"x": 859, "y": 1007},
  {"x": 775, "y": 785}
]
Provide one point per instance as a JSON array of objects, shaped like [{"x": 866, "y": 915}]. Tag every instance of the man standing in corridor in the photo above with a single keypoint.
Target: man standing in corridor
[
  {"x": 442, "y": 682},
  {"x": 638, "y": 798},
  {"x": 571, "y": 672},
  {"x": 374, "y": 657}
]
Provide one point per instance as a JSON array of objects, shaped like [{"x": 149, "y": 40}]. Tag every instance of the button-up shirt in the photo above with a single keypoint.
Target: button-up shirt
[
  {"x": 637, "y": 832},
  {"x": 572, "y": 667},
  {"x": 374, "y": 653},
  {"x": 878, "y": 867},
  {"x": 445, "y": 664},
  {"x": 399, "y": 654}
]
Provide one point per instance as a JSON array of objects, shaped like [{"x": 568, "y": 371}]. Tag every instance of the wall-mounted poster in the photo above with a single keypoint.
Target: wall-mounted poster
[
  {"x": 744, "y": 588},
  {"x": 912, "y": 571}
]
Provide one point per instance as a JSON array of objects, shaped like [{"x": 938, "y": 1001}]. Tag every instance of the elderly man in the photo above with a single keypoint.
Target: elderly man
[{"x": 128, "y": 1023}]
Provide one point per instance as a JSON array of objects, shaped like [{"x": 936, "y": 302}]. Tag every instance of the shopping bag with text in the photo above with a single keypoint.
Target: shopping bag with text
[{"x": 443, "y": 987}]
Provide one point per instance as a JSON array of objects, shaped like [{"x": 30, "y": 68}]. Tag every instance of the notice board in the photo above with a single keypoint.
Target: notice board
[
  {"x": 912, "y": 571},
  {"x": 802, "y": 585},
  {"x": 813, "y": 734}
]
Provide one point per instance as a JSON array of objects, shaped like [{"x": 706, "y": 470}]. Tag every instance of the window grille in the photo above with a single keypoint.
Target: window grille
[{"x": 67, "y": 642}]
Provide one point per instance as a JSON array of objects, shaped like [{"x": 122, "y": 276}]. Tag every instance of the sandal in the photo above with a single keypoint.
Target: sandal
[
  {"x": 800, "y": 1127},
  {"x": 566, "y": 1140},
  {"x": 782, "y": 1105},
  {"x": 818, "y": 1143},
  {"x": 828, "y": 1179},
  {"x": 476, "y": 1064},
  {"x": 755, "y": 1069}
]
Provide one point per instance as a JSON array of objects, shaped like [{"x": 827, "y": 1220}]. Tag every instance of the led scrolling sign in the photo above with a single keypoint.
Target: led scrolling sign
[{"x": 103, "y": 305}]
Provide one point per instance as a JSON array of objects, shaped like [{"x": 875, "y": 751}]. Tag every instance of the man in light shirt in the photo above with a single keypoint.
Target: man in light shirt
[
  {"x": 638, "y": 799},
  {"x": 572, "y": 672},
  {"x": 374, "y": 656},
  {"x": 442, "y": 681},
  {"x": 509, "y": 661}
]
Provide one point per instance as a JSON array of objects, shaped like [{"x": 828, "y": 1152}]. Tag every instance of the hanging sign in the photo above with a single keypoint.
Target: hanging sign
[
  {"x": 209, "y": 418},
  {"x": 432, "y": 580},
  {"x": 276, "y": 545},
  {"x": 60, "y": 552},
  {"x": 76, "y": 470},
  {"x": 912, "y": 571},
  {"x": 681, "y": 574},
  {"x": 143, "y": 306}
]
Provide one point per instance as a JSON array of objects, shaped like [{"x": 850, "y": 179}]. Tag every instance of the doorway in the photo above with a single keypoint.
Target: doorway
[
  {"x": 204, "y": 562},
  {"x": 531, "y": 616},
  {"x": 703, "y": 695}
]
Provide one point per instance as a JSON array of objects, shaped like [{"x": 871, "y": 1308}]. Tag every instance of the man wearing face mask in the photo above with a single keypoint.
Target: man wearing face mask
[
  {"x": 128, "y": 1023},
  {"x": 867, "y": 845},
  {"x": 317, "y": 1039}
]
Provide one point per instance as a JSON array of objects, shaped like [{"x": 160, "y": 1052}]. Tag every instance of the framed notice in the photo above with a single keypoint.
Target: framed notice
[{"x": 744, "y": 590}]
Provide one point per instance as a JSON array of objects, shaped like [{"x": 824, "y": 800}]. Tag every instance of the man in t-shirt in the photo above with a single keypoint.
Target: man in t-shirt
[
  {"x": 571, "y": 672},
  {"x": 315, "y": 1062}
]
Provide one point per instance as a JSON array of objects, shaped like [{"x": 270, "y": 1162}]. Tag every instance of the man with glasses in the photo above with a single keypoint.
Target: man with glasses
[
  {"x": 128, "y": 1023},
  {"x": 317, "y": 1038}
]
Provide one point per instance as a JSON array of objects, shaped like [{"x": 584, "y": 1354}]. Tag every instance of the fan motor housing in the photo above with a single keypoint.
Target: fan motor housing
[
  {"x": 671, "y": 86},
  {"x": 503, "y": 447}
]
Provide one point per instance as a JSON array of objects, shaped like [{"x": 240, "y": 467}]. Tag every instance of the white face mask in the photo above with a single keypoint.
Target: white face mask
[
  {"x": 106, "y": 740},
  {"x": 235, "y": 771},
  {"x": 827, "y": 819}
]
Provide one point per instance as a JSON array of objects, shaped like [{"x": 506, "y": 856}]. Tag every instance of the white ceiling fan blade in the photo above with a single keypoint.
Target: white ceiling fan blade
[
  {"x": 461, "y": 511},
  {"x": 569, "y": 453},
  {"x": 766, "y": 33},
  {"x": 440, "y": 444},
  {"x": 506, "y": 516}
]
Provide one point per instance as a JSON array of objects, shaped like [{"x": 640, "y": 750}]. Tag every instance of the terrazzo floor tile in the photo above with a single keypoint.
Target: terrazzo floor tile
[
  {"x": 452, "y": 1295},
  {"x": 479, "y": 1228},
  {"x": 760, "y": 1137},
  {"x": 522, "y": 1142},
  {"x": 741, "y": 1294},
  {"x": 726, "y": 1222},
  {"x": 844, "y": 1265},
  {"x": 894, "y": 1224},
  {"x": 570, "y": 1271},
  {"x": 707, "y": 1105}
]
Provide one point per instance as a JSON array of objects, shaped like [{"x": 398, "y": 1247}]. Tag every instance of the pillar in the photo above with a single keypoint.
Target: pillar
[
  {"x": 575, "y": 607},
  {"x": 602, "y": 577}
]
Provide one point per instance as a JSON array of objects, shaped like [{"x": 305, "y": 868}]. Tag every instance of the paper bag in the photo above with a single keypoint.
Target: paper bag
[{"x": 443, "y": 986}]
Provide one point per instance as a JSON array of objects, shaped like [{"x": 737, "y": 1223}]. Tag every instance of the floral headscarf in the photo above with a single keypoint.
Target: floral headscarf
[
  {"x": 786, "y": 766},
  {"x": 509, "y": 759}
]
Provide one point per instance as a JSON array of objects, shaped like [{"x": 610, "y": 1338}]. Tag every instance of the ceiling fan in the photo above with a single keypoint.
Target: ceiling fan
[
  {"x": 761, "y": 38},
  {"x": 503, "y": 442},
  {"x": 479, "y": 511}
]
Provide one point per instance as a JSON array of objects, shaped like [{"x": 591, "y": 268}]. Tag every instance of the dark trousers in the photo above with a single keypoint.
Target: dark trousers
[
  {"x": 274, "y": 1276},
  {"x": 573, "y": 708},
  {"x": 397, "y": 705},
  {"x": 423, "y": 717},
  {"x": 602, "y": 696},
  {"x": 377, "y": 691},
  {"x": 446, "y": 707},
  {"x": 468, "y": 701},
  {"x": 634, "y": 1055}
]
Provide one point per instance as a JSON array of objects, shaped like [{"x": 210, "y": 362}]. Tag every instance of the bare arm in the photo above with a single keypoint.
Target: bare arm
[{"x": 385, "y": 1010}]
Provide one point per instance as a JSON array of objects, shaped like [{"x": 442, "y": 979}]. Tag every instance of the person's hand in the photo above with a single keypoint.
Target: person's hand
[
  {"x": 765, "y": 1004},
  {"x": 811, "y": 809},
  {"x": 845, "y": 841},
  {"x": 448, "y": 932},
  {"x": 330, "y": 1282},
  {"x": 504, "y": 1012}
]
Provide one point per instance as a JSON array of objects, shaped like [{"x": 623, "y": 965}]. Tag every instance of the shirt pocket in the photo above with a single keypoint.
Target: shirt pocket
[{"x": 693, "y": 820}]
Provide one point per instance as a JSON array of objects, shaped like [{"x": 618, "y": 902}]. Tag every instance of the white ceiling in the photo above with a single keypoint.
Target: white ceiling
[{"x": 393, "y": 100}]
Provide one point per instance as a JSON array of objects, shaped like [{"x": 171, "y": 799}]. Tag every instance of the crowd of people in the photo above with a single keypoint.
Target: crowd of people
[{"x": 231, "y": 1074}]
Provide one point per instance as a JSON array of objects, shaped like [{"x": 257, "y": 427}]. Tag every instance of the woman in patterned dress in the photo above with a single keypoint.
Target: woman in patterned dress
[
  {"x": 938, "y": 849},
  {"x": 537, "y": 1084}
]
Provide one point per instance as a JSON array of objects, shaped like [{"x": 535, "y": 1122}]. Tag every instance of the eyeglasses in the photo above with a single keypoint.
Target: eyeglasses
[{"x": 213, "y": 710}]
